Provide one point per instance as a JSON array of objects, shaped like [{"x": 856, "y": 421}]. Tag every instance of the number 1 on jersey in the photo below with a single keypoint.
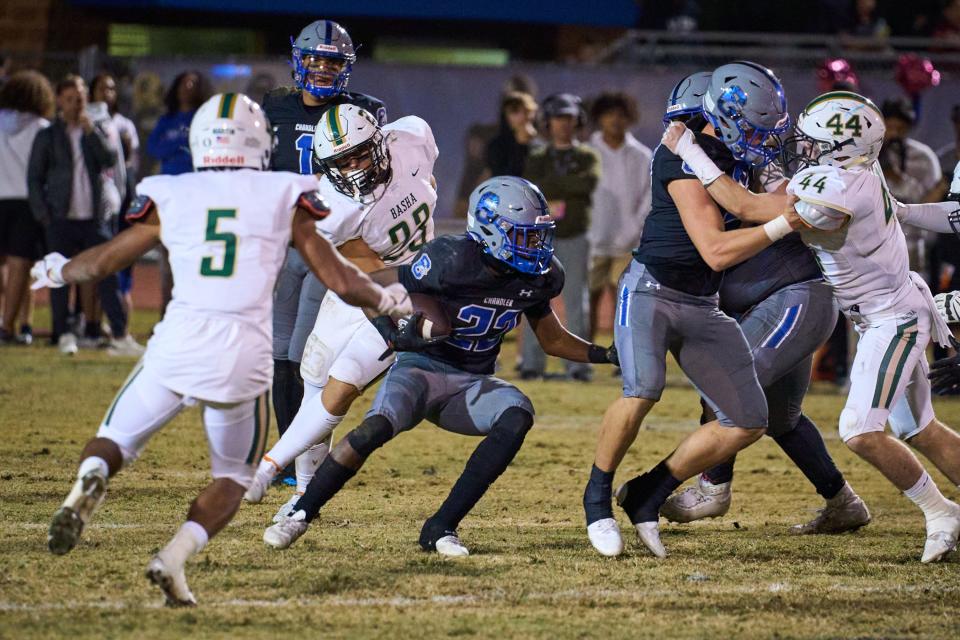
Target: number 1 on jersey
[
  {"x": 304, "y": 144},
  {"x": 229, "y": 241}
]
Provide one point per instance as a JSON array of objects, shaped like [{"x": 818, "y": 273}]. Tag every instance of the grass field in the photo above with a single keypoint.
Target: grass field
[{"x": 359, "y": 572}]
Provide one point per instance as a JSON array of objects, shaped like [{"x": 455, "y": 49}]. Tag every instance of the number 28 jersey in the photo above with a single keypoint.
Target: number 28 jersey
[{"x": 396, "y": 220}]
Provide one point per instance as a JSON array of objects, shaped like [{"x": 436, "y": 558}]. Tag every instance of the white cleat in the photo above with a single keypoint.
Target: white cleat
[
  {"x": 942, "y": 533},
  {"x": 68, "y": 344},
  {"x": 451, "y": 547},
  {"x": 649, "y": 534},
  {"x": 67, "y": 524},
  {"x": 261, "y": 481},
  {"x": 844, "y": 512},
  {"x": 287, "y": 531},
  {"x": 125, "y": 346},
  {"x": 605, "y": 537},
  {"x": 703, "y": 500},
  {"x": 286, "y": 510},
  {"x": 171, "y": 580}
]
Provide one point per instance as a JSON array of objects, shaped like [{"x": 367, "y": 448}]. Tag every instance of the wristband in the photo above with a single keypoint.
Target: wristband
[
  {"x": 777, "y": 228},
  {"x": 697, "y": 159},
  {"x": 597, "y": 354}
]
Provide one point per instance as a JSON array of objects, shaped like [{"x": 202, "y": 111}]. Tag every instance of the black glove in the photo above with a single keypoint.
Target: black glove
[
  {"x": 945, "y": 376},
  {"x": 600, "y": 355},
  {"x": 404, "y": 336}
]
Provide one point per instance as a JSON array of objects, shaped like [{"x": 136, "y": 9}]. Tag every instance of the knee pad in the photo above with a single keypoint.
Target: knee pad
[
  {"x": 853, "y": 423},
  {"x": 373, "y": 433},
  {"x": 512, "y": 425}
]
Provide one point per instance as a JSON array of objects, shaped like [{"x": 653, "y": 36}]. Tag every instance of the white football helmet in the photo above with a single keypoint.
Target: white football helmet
[
  {"x": 230, "y": 131},
  {"x": 349, "y": 148},
  {"x": 840, "y": 129}
]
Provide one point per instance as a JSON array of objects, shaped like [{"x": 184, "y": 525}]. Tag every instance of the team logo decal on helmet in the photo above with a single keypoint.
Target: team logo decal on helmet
[
  {"x": 230, "y": 131},
  {"x": 322, "y": 58},
  {"x": 746, "y": 105},
  {"x": 349, "y": 148},
  {"x": 510, "y": 219}
]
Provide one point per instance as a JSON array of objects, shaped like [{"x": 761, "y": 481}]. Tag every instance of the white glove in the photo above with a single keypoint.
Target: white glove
[
  {"x": 948, "y": 306},
  {"x": 48, "y": 272},
  {"x": 395, "y": 302}
]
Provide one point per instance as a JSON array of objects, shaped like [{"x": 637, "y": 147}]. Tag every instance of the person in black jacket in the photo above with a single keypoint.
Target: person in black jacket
[
  {"x": 506, "y": 153},
  {"x": 65, "y": 190}
]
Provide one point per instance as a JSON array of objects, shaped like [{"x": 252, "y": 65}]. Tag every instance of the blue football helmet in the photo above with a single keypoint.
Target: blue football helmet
[
  {"x": 746, "y": 105},
  {"x": 510, "y": 219},
  {"x": 686, "y": 99},
  {"x": 322, "y": 39}
]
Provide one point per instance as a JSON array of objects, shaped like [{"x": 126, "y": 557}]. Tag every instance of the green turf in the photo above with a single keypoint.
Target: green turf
[{"x": 359, "y": 573}]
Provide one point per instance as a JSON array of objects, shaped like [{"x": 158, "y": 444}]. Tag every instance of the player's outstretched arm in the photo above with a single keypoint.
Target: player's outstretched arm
[
  {"x": 343, "y": 278},
  {"x": 756, "y": 208},
  {"x": 557, "y": 341},
  {"x": 719, "y": 248},
  {"x": 100, "y": 261},
  {"x": 940, "y": 217}
]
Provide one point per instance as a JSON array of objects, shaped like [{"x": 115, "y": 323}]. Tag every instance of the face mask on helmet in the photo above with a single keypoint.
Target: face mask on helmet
[
  {"x": 528, "y": 248},
  {"x": 357, "y": 172},
  {"x": 319, "y": 73},
  {"x": 748, "y": 142},
  {"x": 801, "y": 151}
]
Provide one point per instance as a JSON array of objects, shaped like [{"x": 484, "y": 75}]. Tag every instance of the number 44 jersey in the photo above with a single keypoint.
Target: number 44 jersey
[
  {"x": 226, "y": 233},
  {"x": 396, "y": 220}
]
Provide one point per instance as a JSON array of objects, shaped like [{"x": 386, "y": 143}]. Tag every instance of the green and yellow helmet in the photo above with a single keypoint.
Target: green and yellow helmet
[
  {"x": 348, "y": 147},
  {"x": 840, "y": 129}
]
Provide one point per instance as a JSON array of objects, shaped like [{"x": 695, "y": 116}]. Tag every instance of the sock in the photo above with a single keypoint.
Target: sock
[
  {"x": 327, "y": 481},
  {"x": 804, "y": 445},
  {"x": 647, "y": 493},
  {"x": 189, "y": 540},
  {"x": 597, "y": 495},
  {"x": 283, "y": 379},
  {"x": 93, "y": 463},
  {"x": 722, "y": 472},
  {"x": 312, "y": 425},
  {"x": 927, "y": 496},
  {"x": 487, "y": 462},
  {"x": 308, "y": 462}
]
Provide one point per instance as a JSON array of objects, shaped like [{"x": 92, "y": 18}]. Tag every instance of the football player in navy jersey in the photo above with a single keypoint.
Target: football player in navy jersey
[
  {"x": 503, "y": 267},
  {"x": 322, "y": 60}
]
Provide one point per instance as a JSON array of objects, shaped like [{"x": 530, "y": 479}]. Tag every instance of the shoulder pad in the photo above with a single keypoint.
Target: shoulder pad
[
  {"x": 820, "y": 185},
  {"x": 314, "y": 204},
  {"x": 139, "y": 208}
]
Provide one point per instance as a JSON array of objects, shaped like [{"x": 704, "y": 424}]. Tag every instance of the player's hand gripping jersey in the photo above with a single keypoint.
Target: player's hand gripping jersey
[
  {"x": 396, "y": 221},
  {"x": 227, "y": 233}
]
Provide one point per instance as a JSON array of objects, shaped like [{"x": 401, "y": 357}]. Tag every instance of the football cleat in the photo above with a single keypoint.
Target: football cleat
[
  {"x": 942, "y": 533},
  {"x": 86, "y": 495},
  {"x": 649, "y": 534},
  {"x": 261, "y": 480},
  {"x": 171, "y": 580},
  {"x": 125, "y": 346},
  {"x": 844, "y": 512},
  {"x": 68, "y": 344},
  {"x": 286, "y": 509},
  {"x": 605, "y": 537},
  {"x": 703, "y": 500},
  {"x": 451, "y": 547},
  {"x": 287, "y": 531}
]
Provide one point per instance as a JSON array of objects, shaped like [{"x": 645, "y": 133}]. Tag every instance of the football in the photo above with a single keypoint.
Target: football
[{"x": 435, "y": 323}]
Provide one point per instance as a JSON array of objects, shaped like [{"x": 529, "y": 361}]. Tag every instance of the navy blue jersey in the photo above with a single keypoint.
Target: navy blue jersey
[
  {"x": 482, "y": 297},
  {"x": 785, "y": 262},
  {"x": 665, "y": 248},
  {"x": 293, "y": 124}
]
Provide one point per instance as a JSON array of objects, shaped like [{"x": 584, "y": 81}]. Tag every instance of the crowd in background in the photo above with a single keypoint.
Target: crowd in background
[{"x": 72, "y": 159}]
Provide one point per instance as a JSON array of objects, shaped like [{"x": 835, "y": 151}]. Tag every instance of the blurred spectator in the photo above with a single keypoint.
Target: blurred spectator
[
  {"x": 507, "y": 152},
  {"x": 946, "y": 249},
  {"x": 621, "y": 200},
  {"x": 567, "y": 173},
  {"x": 147, "y": 107},
  {"x": 169, "y": 142},
  {"x": 26, "y": 103},
  {"x": 865, "y": 21},
  {"x": 5, "y": 65},
  {"x": 948, "y": 27},
  {"x": 475, "y": 168},
  {"x": 912, "y": 172},
  {"x": 65, "y": 190},
  {"x": 103, "y": 88}
]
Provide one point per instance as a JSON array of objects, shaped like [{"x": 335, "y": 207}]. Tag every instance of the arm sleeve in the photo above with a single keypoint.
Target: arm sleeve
[{"x": 934, "y": 216}]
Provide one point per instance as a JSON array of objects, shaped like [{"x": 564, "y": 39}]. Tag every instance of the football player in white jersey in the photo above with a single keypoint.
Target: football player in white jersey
[
  {"x": 380, "y": 187},
  {"x": 854, "y": 231},
  {"x": 227, "y": 232}
]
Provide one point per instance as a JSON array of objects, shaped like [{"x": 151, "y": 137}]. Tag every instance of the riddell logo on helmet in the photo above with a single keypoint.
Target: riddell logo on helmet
[
  {"x": 330, "y": 48},
  {"x": 223, "y": 160}
]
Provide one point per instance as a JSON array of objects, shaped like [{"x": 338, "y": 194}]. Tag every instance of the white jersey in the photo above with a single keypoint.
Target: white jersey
[
  {"x": 397, "y": 219},
  {"x": 226, "y": 233},
  {"x": 866, "y": 261}
]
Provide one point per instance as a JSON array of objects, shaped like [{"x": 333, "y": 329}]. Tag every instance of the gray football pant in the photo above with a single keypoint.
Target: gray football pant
[
  {"x": 573, "y": 255},
  {"x": 296, "y": 303}
]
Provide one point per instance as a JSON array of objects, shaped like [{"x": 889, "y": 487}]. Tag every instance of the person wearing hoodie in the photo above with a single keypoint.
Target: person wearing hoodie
[
  {"x": 506, "y": 153},
  {"x": 26, "y": 104}
]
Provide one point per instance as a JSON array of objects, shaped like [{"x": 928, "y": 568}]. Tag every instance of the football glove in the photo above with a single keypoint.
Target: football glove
[
  {"x": 48, "y": 272},
  {"x": 395, "y": 302},
  {"x": 945, "y": 374},
  {"x": 948, "y": 306},
  {"x": 600, "y": 355},
  {"x": 403, "y": 336}
]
